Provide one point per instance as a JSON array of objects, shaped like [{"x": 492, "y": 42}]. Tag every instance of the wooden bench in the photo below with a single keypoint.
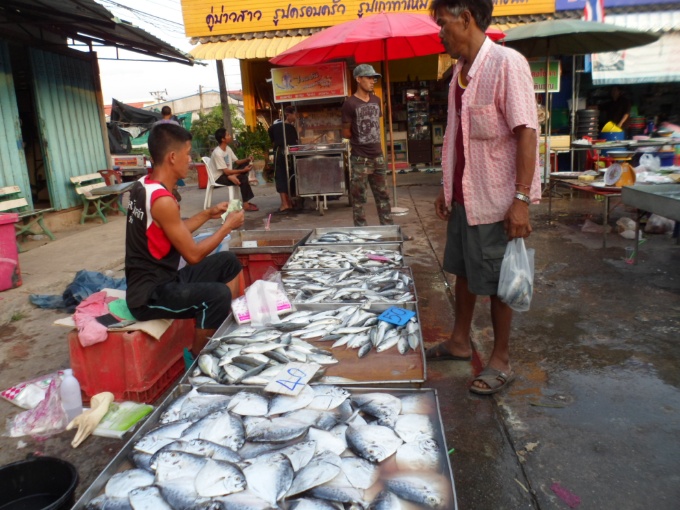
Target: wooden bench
[
  {"x": 12, "y": 201},
  {"x": 85, "y": 184}
]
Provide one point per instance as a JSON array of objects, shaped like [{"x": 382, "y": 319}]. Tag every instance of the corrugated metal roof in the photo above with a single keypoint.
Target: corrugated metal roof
[
  {"x": 85, "y": 21},
  {"x": 659, "y": 21}
]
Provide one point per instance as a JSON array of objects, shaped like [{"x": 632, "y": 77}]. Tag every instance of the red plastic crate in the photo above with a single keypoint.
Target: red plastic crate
[
  {"x": 131, "y": 364},
  {"x": 255, "y": 265}
]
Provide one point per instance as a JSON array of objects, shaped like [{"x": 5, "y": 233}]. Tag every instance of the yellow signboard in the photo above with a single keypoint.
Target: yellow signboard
[
  {"x": 309, "y": 82},
  {"x": 203, "y": 18}
]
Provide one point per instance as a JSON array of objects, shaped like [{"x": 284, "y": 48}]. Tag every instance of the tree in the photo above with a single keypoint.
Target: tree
[{"x": 206, "y": 125}]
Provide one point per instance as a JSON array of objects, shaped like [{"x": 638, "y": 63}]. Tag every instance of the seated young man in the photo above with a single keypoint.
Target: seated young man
[
  {"x": 232, "y": 171},
  {"x": 156, "y": 237}
]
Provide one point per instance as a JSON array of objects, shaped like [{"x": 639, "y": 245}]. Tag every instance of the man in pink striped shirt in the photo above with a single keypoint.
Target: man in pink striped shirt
[{"x": 489, "y": 161}]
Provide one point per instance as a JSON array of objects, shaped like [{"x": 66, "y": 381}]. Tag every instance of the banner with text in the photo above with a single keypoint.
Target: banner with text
[
  {"x": 538, "y": 75},
  {"x": 305, "y": 83},
  {"x": 204, "y": 18}
]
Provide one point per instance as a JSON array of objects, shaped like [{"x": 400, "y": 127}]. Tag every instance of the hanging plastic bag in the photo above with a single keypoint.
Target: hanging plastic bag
[
  {"x": 48, "y": 417},
  {"x": 516, "y": 284}
]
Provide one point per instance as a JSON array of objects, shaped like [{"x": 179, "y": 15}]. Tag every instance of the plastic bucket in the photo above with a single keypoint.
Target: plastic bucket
[
  {"x": 202, "y": 173},
  {"x": 41, "y": 483},
  {"x": 667, "y": 158}
]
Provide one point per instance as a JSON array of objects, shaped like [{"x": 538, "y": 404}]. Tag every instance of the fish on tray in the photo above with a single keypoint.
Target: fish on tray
[
  {"x": 254, "y": 356},
  {"x": 361, "y": 259},
  {"x": 349, "y": 285},
  {"x": 236, "y": 457}
]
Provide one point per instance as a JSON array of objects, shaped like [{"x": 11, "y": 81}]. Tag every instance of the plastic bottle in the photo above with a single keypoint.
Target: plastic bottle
[{"x": 71, "y": 398}]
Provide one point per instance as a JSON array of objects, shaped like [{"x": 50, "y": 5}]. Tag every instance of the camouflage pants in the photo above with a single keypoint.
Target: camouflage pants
[{"x": 369, "y": 171}]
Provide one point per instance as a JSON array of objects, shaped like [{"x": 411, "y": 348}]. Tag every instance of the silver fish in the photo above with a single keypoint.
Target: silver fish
[
  {"x": 161, "y": 436},
  {"x": 209, "y": 364},
  {"x": 299, "y": 454},
  {"x": 327, "y": 397},
  {"x": 120, "y": 484},
  {"x": 339, "y": 489},
  {"x": 383, "y": 406},
  {"x": 204, "y": 448},
  {"x": 270, "y": 480},
  {"x": 105, "y": 502},
  {"x": 181, "y": 493},
  {"x": 386, "y": 501},
  {"x": 420, "y": 455},
  {"x": 199, "y": 405},
  {"x": 320, "y": 419},
  {"x": 219, "y": 478},
  {"x": 170, "y": 465},
  {"x": 327, "y": 441},
  {"x": 361, "y": 473},
  {"x": 286, "y": 403},
  {"x": 220, "y": 427},
  {"x": 245, "y": 403},
  {"x": 147, "y": 498},
  {"x": 313, "y": 504},
  {"x": 243, "y": 501},
  {"x": 412, "y": 427},
  {"x": 173, "y": 410},
  {"x": 277, "y": 430},
  {"x": 428, "y": 489},
  {"x": 372, "y": 442},
  {"x": 321, "y": 469}
]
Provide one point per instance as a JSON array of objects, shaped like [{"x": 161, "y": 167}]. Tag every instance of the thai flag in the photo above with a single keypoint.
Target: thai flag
[{"x": 593, "y": 11}]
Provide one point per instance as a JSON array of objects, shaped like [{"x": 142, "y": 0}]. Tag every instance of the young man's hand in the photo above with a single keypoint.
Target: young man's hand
[
  {"x": 235, "y": 219},
  {"x": 218, "y": 210}
]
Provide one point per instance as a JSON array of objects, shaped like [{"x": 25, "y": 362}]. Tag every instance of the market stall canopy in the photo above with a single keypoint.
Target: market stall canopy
[
  {"x": 84, "y": 21},
  {"x": 384, "y": 36},
  {"x": 244, "y": 49},
  {"x": 573, "y": 37}
]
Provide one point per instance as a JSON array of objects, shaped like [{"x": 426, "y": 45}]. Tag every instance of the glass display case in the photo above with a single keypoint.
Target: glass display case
[{"x": 419, "y": 133}]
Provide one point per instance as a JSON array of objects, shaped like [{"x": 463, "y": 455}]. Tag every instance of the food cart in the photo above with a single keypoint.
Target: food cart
[{"x": 320, "y": 164}]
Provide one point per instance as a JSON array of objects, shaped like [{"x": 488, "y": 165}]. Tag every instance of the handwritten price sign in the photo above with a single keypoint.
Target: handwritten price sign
[
  {"x": 292, "y": 378},
  {"x": 397, "y": 316}
]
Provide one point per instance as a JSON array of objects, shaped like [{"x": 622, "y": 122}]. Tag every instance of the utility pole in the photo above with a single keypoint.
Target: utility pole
[
  {"x": 159, "y": 94},
  {"x": 200, "y": 98},
  {"x": 224, "y": 98}
]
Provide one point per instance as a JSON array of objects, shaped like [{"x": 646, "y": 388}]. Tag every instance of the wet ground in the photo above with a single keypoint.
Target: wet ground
[{"x": 594, "y": 414}]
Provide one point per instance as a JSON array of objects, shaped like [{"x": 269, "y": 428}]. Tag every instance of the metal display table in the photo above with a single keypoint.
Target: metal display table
[
  {"x": 320, "y": 171},
  {"x": 661, "y": 199}
]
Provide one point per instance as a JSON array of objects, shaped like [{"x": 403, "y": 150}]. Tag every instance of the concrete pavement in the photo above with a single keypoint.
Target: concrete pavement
[{"x": 594, "y": 415}]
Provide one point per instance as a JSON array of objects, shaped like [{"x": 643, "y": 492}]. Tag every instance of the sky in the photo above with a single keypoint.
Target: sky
[{"x": 130, "y": 81}]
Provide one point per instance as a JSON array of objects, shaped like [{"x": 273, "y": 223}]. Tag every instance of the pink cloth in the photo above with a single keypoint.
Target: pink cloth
[
  {"x": 90, "y": 331},
  {"x": 499, "y": 97}
]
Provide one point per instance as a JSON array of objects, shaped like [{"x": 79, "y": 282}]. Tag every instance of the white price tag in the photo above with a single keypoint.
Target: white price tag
[
  {"x": 249, "y": 244},
  {"x": 292, "y": 378}
]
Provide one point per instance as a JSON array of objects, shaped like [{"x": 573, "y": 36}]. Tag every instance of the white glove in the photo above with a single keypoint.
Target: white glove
[{"x": 88, "y": 421}]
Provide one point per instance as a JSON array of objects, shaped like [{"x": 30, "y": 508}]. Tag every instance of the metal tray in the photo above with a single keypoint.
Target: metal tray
[
  {"x": 398, "y": 247},
  {"x": 662, "y": 199},
  {"x": 268, "y": 241},
  {"x": 385, "y": 369},
  {"x": 390, "y": 234},
  {"x": 120, "y": 462},
  {"x": 406, "y": 270}
]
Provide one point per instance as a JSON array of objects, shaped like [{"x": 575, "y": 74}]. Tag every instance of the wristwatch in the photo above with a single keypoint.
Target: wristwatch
[{"x": 524, "y": 198}]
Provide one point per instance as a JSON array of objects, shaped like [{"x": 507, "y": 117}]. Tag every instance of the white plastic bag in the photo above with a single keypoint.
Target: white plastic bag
[
  {"x": 263, "y": 299},
  {"x": 46, "y": 419},
  {"x": 516, "y": 284}
]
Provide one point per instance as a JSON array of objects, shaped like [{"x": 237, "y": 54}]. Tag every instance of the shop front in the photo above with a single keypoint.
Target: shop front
[{"x": 418, "y": 93}]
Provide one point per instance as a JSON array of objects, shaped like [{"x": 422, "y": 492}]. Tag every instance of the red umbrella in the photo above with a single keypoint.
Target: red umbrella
[{"x": 381, "y": 37}]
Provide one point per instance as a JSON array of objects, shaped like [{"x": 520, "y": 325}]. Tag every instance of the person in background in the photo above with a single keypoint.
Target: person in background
[
  {"x": 361, "y": 114},
  {"x": 166, "y": 117},
  {"x": 489, "y": 162},
  {"x": 276, "y": 132},
  {"x": 618, "y": 109},
  {"x": 232, "y": 171},
  {"x": 156, "y": 237}
]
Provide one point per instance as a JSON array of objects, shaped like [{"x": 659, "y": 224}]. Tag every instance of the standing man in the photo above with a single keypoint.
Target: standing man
[
  {"x": 280, "y": 175},
  {"x": 232, "y": 171},
  {"x": 156, "y": 236},
  {"x": 618, "y": 109},
  {"x": 166, "y": 117},
  {"x": 489, "y": 160},
  {"x": 361, "y": 124}
]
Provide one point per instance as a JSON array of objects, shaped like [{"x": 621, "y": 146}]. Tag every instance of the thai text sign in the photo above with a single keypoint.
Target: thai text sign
[
  {"x": 213, "y": 17},
  {"x": 538, "y": 75},
  {"x": 309, "y": 82}
]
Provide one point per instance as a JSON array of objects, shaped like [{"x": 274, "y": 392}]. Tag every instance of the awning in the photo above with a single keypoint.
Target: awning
[
  {"x": 264, "y": 48},
  {"x": 84, "y": 21}
]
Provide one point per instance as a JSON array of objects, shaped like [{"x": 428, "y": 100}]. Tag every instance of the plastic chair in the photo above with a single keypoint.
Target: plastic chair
[{"x": 233, "y": 190}]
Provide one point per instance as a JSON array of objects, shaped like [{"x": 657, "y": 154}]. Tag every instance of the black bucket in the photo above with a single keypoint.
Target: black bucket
[{"x": 40, "y": 483}]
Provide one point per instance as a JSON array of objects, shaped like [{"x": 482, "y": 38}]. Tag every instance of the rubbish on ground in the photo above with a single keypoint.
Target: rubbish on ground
[
  {"x": 571, "y": 499},
  {"x": 88, "y": 420},
  {"x": 47, "y": 419},
  {"x": 120, "y": 418},
  {"x": 29, "y": 394},
  {"x": 659, "y": 225},
  {"x": 590, "y": 227}
]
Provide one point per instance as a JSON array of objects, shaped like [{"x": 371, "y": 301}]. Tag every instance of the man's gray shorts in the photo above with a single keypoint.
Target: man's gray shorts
[{"x": 475, "y": 253}]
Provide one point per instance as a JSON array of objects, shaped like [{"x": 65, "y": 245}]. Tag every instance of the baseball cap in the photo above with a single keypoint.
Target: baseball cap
[{"x": 365, "y": 70}]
